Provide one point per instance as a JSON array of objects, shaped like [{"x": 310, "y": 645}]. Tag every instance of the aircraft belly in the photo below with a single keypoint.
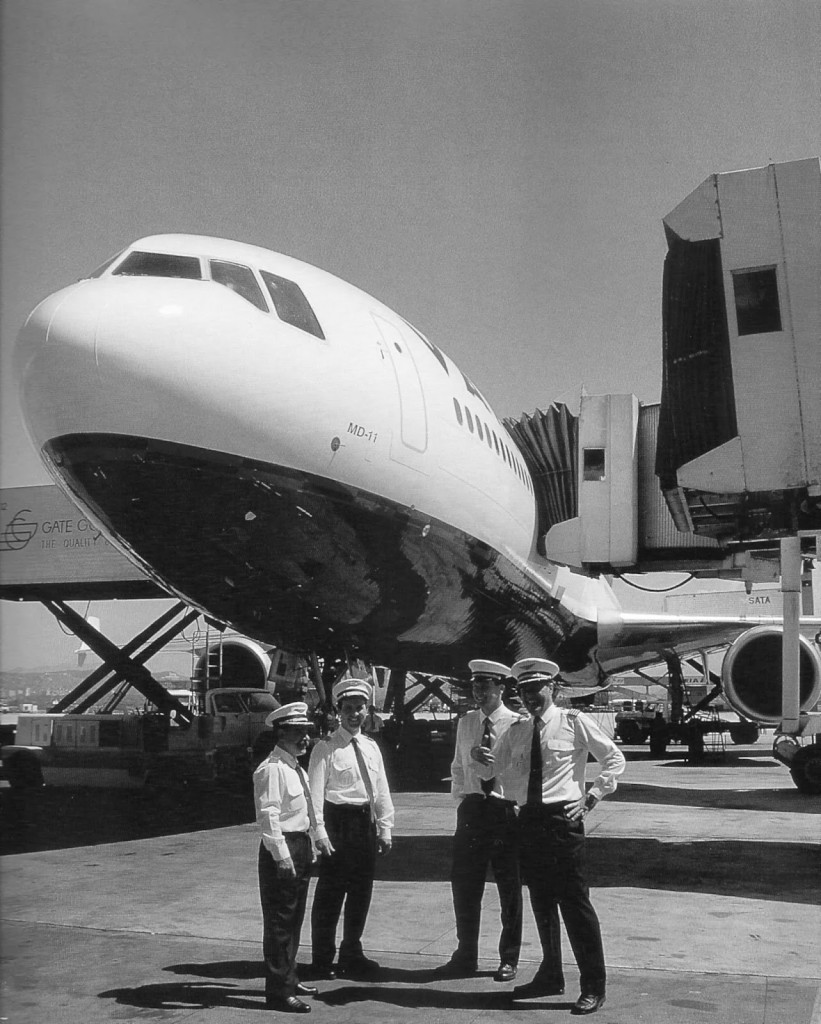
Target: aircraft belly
[{"x": 308, "y": 563}]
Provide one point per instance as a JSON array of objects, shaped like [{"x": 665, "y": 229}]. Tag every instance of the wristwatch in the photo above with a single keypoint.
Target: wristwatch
[{"x": 590, "y": 802}]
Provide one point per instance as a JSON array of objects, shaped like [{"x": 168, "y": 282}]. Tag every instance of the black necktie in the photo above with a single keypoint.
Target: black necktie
[
  {"x": 534, "y": 781},
  {"x": 366, "y": 778},
  {"x": 487, "y": 741},
  {"x": 307, "y": 791}
]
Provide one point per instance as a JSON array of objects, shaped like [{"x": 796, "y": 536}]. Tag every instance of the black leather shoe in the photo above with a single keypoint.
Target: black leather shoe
[
  {"x": 505, "y": 972},
  {"x": 306, "y": 990},
  {"x": 287, "y": 1004},
  {"x": 588, "y": 1002},
  {"x": 456, "y": 968},
  {"x": 321, "y": 972},
  {"x": 538, "y": 987},
  {"x": 358, "y": 967}
]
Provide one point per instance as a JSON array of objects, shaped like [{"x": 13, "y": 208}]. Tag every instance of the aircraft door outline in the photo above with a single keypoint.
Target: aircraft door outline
[{"x": 412, "y": 410}]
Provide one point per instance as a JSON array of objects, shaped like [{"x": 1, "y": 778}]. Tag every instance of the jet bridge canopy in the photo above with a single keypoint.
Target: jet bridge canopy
[{"x": 47, "y": 546}]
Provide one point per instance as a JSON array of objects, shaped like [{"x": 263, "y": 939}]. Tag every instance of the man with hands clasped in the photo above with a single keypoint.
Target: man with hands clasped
[{"x": 541, "y": 762}]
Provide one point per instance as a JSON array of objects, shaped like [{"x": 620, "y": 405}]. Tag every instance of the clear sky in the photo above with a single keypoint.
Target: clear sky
[{"x": 497, "y": 172}]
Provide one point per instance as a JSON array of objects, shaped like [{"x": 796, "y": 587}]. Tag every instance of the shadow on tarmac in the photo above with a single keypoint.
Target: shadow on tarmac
[
  {"x": 54, "y": 818},
  {"x": 182, "y": 995},
  {"x": 769, "y": 871},
  {"x": 788, "y": 801}
]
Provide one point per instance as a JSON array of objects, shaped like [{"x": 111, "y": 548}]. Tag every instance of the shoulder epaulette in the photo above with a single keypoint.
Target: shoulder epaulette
[{"x": 572, "y": 712}]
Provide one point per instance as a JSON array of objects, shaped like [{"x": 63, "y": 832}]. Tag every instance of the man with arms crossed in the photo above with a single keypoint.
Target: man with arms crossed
[
  {"x": 485, "y": 830},
  {"x": 542, "y": 765}
]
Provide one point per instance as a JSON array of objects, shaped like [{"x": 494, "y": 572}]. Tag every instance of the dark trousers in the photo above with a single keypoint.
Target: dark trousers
[
  {"x": 283, "y": 911},
  {"x": 344, "y": 877},
  {"x": 553, "y": 868},
  {"x": 486, "y": 833}
]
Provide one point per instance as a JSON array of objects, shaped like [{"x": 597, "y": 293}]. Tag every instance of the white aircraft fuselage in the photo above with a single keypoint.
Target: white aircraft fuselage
[{"x": 293, "y": 458}]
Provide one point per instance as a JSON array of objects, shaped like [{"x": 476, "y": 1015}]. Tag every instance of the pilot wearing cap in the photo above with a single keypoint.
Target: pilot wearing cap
[
  {"x": 287, "y": 819},
  {"x": 541, "y": 761},
  {"x": 486, "y": 830},
  {"x": 353, "y": 803}
]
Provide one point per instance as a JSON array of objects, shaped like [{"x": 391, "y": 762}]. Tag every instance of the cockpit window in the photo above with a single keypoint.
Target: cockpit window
[
  {"x": 101, "y": 270},
  {"x": 160, "y": 264},
  {"x": 240, "y": 280},
  {"x": 291, "y": 305}
]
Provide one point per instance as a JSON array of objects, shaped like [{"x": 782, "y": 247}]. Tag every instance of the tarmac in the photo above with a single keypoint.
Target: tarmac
[{"x": 706, "y": 877}]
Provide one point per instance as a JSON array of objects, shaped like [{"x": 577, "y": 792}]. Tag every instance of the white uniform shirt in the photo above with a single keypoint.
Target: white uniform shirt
[
  {"x": 566, "y": 737},
  {"x": 464, "y": 774},
  {"x": 280, "y": 802},
  {"x": 334, "y": 776}
]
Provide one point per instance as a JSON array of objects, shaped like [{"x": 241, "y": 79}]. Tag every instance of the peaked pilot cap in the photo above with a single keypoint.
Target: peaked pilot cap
[
  {"x": 290, "y": 714},
  {"x": 352, "y": 688},
  {"x": 495, "y": 669},
  {"x": 532, "y": 670}
]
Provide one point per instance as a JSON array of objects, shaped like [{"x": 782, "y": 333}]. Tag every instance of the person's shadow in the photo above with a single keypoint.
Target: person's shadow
[{"x": 394, "y": 986}]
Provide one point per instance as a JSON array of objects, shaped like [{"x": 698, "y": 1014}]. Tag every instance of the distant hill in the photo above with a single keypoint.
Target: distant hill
[{"x": 45, "y": 686}]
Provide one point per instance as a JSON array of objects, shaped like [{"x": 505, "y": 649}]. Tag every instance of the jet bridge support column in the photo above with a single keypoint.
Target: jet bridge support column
[{"x": 790, "y": 664}]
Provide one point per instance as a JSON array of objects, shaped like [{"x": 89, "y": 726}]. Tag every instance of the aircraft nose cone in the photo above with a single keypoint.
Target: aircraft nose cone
[{"x": 55, "y": 362}]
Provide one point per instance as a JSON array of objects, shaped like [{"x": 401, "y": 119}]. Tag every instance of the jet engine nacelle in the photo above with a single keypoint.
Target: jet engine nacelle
[
  {"x": 234, "y": 661},
  {"x": 751, "y": 674}
]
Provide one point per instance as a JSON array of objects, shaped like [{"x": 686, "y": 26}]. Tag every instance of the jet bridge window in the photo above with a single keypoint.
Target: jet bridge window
[
  {"x": 593, "y": 465},
  {"x": 291, "y": 305},
  {"x": 239, "y": 279},
  {"x": 160, "y": 264},
  {"x": 756, "y": 301}
]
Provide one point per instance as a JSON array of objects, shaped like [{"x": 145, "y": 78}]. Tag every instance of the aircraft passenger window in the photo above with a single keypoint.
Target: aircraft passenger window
[
  {"x": 487, "y": 437},
  {"x": 240, "y": 280},
  {"x": 756, "y": 301},
  {"x": 458, "y": 410},
  {"x": 291, "y": 305},
  {"x": 496, "y": 442},
  {"x": 160, "y": 264},
  {"x": 593, "y": 465},
  {"x": 479, "y": 429},
  {"x": 470, "y": 419}
]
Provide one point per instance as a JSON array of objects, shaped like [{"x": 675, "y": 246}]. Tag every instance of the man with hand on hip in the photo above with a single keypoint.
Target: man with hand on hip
[
  {"x": 288, "y": 822},
  {"x": 354, "y": 807},
  {"x": 486, "y": 831},
  {"x": 542, "y": 764}
]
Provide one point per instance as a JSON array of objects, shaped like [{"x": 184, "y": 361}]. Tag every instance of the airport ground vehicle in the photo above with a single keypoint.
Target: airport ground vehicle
[
  {"x": 131, "y": 750},
  {"x": 642, "y": 720}
]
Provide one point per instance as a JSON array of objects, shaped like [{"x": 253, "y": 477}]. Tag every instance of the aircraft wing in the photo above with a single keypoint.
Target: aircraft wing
[{"x": 632, "y": 639}]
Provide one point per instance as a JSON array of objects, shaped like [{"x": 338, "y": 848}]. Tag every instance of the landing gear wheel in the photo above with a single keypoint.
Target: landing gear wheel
[
  {"x": 630, "y": 733},
  {"x": 23, "y": 770},
  {"x": 805, "y": 769},
  {"x": 659, "y": 739},
  {"x": 744, "y": 733}
]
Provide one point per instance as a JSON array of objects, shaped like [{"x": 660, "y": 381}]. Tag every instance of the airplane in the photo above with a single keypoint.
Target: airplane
[{"x": 293, "y": 458}]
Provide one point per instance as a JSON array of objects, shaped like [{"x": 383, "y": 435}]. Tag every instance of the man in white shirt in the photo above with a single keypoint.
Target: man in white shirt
[
  {"x": 542, "y": 764},
  {"x": 288, "y": 823},
  {"x": 355, "y": 811},
  {"x": 486, "y": 831}
]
